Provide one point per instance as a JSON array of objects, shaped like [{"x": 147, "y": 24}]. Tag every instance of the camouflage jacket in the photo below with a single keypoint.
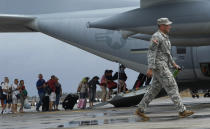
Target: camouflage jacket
[{"x": 159, "y": 51}]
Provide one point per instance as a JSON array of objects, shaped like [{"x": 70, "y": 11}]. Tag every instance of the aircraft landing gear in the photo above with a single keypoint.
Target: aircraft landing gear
[{"x": 195, "y": 94}]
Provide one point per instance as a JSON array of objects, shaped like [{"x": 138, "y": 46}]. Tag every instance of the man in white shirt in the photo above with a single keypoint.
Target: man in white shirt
[
  {"x": 7, "y": 90},
  {"x": 15, "y": 94}
]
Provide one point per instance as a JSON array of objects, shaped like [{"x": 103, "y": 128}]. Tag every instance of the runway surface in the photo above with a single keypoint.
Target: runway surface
[{"x": 161, "y": 111}]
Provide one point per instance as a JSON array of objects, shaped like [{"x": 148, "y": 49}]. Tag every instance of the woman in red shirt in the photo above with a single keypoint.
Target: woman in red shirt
[{"x": 51, "y": 84}]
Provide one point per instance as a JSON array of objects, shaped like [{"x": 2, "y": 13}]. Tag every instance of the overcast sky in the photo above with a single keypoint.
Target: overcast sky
[
  {"x": 52, "y": 6},
  {"x": 24, "y": 55}
]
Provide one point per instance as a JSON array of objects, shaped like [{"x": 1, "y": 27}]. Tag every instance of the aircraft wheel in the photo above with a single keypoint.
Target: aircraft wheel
[{"x": 206, "y": 95}]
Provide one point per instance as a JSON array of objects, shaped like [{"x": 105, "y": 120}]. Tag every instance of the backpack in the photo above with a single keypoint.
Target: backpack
[
  {"x": 58, "y": 89},
  {"x": 25, "y": 93},
  {"x": 123, "y": 76}
]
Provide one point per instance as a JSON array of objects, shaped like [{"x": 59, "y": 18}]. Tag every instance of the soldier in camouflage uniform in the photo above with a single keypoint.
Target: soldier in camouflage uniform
[{"x": 159, "y": 61}]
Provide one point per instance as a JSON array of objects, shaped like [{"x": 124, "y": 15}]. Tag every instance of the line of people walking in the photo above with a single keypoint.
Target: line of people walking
[
  {"x": 11, "y": 94},
  {"x": 87, "y": 89},
  {"x": 108, "y": 81},
  {"x": 50, "y": 91}
]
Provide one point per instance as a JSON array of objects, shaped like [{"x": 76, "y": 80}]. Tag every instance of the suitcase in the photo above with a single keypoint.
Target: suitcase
[
  {"x": 82, "y": 104},
  {"x": 70, "y": 101},
  {"x": 27, "y": 104},
  {"x": 45, "y": 104}
]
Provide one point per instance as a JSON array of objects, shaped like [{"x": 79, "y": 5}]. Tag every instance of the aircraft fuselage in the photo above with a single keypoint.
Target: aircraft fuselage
[{"x": 109, "y": 44}]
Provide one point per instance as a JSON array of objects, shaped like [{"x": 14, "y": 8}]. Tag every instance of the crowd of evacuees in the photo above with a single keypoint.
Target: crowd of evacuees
[
  {"x": 87, "y": 88},
  {"x": 11, "y": 94},
  {"x": 50, "y": 91},
  {"x": 108, "y": 83}
]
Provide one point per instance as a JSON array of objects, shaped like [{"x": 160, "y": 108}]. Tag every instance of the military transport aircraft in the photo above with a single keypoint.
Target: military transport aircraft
[{"x": 121, "y": 34}]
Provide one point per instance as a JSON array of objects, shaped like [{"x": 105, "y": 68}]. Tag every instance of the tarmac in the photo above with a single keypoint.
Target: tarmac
[{"x": 162, "y": 113}]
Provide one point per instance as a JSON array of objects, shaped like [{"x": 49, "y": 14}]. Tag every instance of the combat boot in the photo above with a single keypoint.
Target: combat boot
[
  {"x": 185, "y": 113},
  {"x": 142, "y": 115}
]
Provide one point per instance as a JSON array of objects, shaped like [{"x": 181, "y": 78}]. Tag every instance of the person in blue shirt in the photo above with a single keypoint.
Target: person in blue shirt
[{"x": 40, "y": 84}]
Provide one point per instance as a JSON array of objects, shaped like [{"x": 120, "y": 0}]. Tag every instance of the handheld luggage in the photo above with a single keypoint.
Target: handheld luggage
[
  {"x": 45, "y": 104},
  {"x": 82, "y": 104},
  {"x": 27, "y": 104},
  {"x": 70, "y": 101},
  {"x": 177, "y": 71}
]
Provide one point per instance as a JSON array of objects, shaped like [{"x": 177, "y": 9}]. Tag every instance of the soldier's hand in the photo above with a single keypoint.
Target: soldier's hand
[
  {"x": 149, "y": 73},
  {"x": 177, "y": 67},
  {"x": 155, "y": 41}
]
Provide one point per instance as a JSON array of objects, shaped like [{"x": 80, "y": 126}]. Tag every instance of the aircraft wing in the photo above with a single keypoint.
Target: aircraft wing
[
  {"x": 138, "y": 17},
  {"x": 142, "y": 21},
  {"x": 15, "y": 23}
]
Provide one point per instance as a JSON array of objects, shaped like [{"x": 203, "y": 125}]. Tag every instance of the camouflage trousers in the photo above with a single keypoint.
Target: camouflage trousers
[{"x": 162, "y": 78}]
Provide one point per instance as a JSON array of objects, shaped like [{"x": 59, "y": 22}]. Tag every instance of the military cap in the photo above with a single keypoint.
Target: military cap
[{"x": 164, "y": 21}]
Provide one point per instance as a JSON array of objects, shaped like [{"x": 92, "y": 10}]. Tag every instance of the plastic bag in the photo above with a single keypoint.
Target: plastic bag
[{"x": 27, "y": 105}]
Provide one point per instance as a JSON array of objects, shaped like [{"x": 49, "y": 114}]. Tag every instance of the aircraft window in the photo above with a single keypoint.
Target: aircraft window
[
  {"x": 139, "y": 51},
  {"x": 205, "y": 69},
  {"x": 180, "y": 50}
]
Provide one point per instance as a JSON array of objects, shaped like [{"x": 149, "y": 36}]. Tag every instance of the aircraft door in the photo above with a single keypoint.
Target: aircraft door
[
  {"x": 202, "y": 61},
  {"x": 184, "y": 57}
]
